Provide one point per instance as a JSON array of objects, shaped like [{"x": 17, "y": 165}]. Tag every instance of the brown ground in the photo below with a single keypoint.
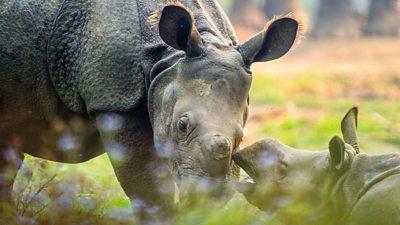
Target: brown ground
[
  {"x": 370, "y": 56},
  {"x": 360, "y": 56}
]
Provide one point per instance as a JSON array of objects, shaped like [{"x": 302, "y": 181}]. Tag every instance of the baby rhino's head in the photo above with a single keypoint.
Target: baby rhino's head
[{"x": 282, "y": 176}]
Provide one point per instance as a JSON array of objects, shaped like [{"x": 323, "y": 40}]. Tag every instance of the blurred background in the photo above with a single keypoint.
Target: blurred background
[{"x": 350, "y": 55}]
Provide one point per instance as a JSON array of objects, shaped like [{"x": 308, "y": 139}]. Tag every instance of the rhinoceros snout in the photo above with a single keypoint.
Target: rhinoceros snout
[
  {"x": 216, "y": 154},
  {"x": 220, "y": 147}
]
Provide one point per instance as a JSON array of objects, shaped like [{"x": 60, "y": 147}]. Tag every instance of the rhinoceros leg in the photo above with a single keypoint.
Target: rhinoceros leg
[
  {"x": 141, "y": 174},
  {"x": 10, "y": 162}
]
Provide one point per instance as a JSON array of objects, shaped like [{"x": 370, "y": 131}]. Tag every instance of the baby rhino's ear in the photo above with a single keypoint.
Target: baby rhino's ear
[
  {"x": 339, "y": 159},
  {"x": 349, "y": 128}
]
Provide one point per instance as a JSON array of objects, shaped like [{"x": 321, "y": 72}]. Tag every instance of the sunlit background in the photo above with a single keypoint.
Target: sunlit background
[{"x": 350, "y": 55}]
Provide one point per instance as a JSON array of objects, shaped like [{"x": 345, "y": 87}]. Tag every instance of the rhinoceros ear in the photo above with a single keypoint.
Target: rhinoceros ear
[
  {"x": 177, "y": 29},
  {"x": 337, "y": 151},
  {"x": 349, "y": 128},
  {"x": 273, "y": 42}
]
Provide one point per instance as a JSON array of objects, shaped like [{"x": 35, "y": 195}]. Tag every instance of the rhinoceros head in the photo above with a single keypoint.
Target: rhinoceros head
[
  {"x": 198, "y": 106},
  {"x": 283, "y": 176}
]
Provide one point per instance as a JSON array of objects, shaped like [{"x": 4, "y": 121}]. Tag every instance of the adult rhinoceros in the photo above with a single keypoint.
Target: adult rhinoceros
[{"x": 162, "y": 87}]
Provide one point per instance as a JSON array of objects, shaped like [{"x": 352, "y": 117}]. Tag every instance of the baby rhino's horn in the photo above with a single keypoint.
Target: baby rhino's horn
[{"x": 349, "y": 128}]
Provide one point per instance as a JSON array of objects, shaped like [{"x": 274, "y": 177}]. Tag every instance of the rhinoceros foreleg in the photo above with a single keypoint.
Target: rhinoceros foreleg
[
  {"x": 144, "y": 177},
  {"x": 10, "y": 162}
]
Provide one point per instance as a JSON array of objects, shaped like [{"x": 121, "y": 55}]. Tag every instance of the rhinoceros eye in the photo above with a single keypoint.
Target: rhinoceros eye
[
  {"x": 183, "y": 124},
  {"x": 281, "y": 169}
]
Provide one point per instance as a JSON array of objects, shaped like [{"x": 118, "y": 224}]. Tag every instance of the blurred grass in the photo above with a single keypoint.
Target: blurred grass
[
  {"x": 305, "y": 111},
  {"x": 89, "y": 193}
]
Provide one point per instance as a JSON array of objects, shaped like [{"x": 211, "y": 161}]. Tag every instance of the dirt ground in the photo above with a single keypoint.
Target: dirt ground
[{"x": 367, "y": 55}]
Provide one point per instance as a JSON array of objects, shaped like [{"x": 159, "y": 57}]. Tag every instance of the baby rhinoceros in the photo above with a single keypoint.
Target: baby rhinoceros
[{"x": 339, "y": 186}]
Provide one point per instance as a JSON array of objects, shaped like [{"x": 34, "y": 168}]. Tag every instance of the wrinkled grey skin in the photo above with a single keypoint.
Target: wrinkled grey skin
[
  {"x": 341, "y": 185},
  {"x": 165, "y": 95}
]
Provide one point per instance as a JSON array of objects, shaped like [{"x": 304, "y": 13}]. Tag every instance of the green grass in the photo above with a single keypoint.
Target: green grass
[{"x": 313, "y": 108}]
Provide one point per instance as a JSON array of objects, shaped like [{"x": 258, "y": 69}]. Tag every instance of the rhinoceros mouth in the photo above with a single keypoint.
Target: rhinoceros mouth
[
  {"x": 188, "y": 173},
  {"x": 196, "y": 180},
  {"x": 220, "y": 189}
]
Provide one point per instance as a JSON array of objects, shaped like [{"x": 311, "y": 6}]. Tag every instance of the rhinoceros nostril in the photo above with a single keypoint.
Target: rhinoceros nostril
[{"x": 220, "y": 147}]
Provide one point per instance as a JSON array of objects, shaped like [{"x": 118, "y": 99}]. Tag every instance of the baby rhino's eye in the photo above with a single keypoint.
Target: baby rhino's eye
[{"x": 281, "y": 169}]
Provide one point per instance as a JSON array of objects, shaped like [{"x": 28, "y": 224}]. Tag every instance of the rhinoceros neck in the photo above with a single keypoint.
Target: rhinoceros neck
[{"x": 210, "y": 20}]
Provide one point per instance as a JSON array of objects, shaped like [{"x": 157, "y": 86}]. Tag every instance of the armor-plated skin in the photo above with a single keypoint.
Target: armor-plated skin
[
  {"x": 162, "y": 87},
  {"x": 341, "y": 185}
]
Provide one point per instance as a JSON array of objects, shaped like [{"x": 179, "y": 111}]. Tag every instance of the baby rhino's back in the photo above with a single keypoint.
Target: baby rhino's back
[
  {"x": 373, "y": 190},
  {"x": 380, "y": 204}
]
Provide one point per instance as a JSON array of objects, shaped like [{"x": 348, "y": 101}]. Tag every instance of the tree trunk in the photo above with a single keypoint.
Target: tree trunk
[
  {"x": 336, "y": 19},
  {"x": 239, "y": 11},
  {"x": 384, "y": 18},
  {"x": 280, "y": 7},
  {"x": 245, "y": 13}
]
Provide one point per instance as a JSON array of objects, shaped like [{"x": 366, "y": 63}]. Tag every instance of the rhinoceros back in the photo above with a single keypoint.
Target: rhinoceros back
[
  {"x": 365, "y": 173},
  {"x": 101, "y": 52},
  {"x": 95, "y": 55},
  {"x": 25, "y": 86}
]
